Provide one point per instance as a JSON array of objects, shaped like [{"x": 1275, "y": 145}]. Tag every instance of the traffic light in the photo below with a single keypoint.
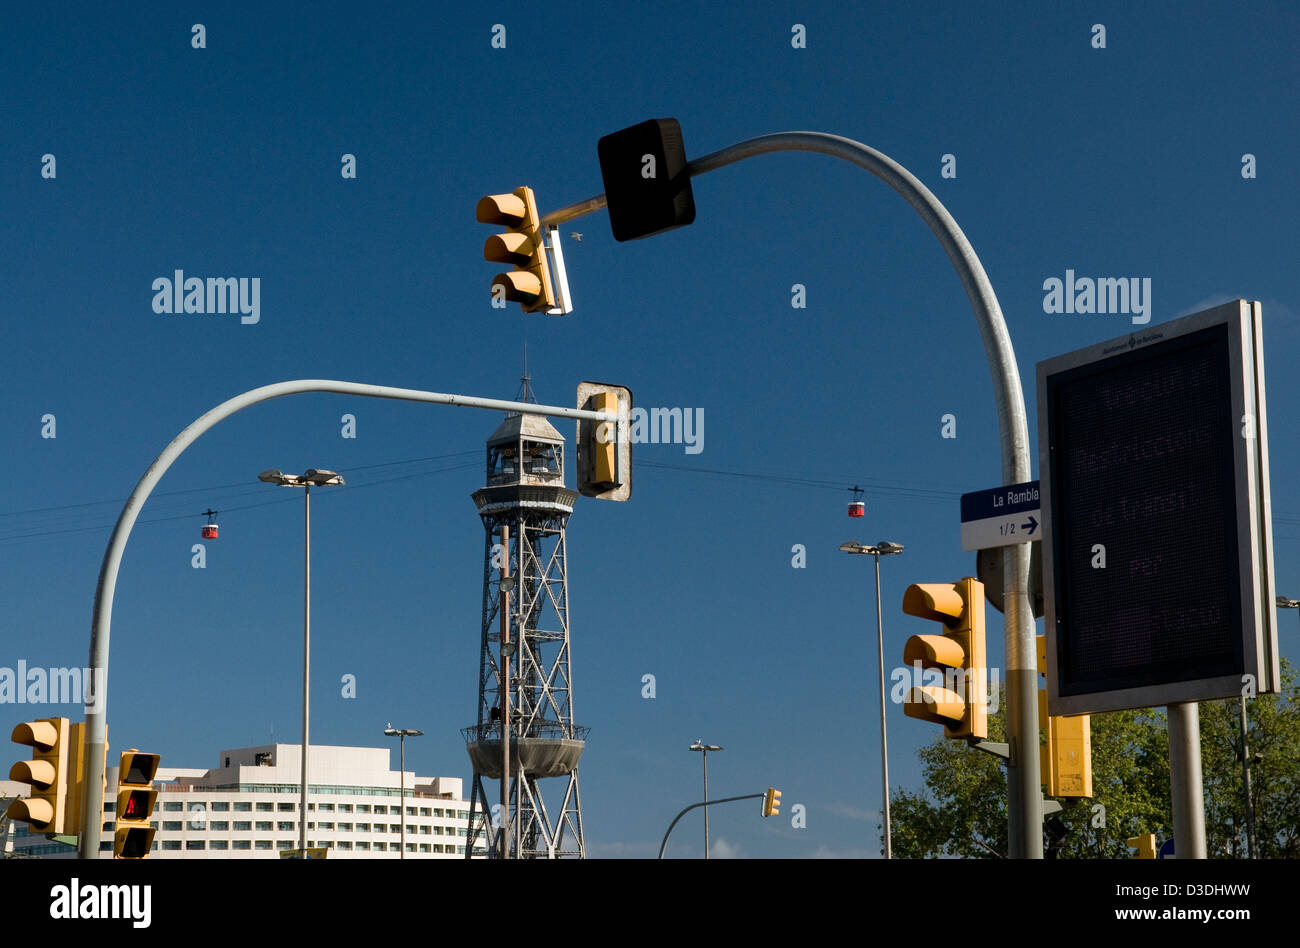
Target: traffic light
[
  {"x": 1066, "y": 758},
  {"x": 605, "y": 447},
  {"x": 523, "y": 245},
  {"x": 133, "y": 834},
  {"x": 1145, "y": 845},
  {"x": 960, "y": 704},
  {"x": 47, "y": 772},
  {"x": 772, "y": 802}
]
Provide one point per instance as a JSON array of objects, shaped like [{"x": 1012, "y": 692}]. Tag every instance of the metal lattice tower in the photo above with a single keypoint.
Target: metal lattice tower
[{"x": 526, "y": 503}]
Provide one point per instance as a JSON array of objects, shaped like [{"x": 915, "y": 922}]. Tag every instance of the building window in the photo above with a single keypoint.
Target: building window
[
  {"x": 106, "y": 846},
  {"x": 425, "y": 811},
  {"x": 460, "y": 850},
  {"x": 326, "y": 826},
  {"x": 285, "y": 826},
  {"x": 380, "y": 809},
  {"x": 437, "y": 830},
  {"x": 110, "y": 806},
  {"x": 242, "y": 826},
  {"x": 394, "y": 827},
  {"x": 219, "y": 825},
  {"x": 288, "y": 807},
  {"x": 426, "y": 830},
  {"x": 171, "y": 844},
  {"x": 195, "y": 844},
  {"x": 363, "y": 846},
  {"x": 171, "y": 826},
  {"x": 221, "y": 807},
  {"x": 363, "y": 827},
  {"x": 283, "y": 844},
  {"x": 438, "y": 813},
  {"x": 265, "y": 807},
  {"x": 424, "y": 848},
  {"x": 171, "y": 807},
  {"x": 242, "y": 844},
  {"x": 345, "y": 807},
  {"x": 410, "y": 811},
  {"x": 262, "y": 844},
  {"x": 325, "y": 807},
  {"x": 220, "y": 844},
  {"x": 243, "y": 806},
  {"x": 410, "y": 847},
  {"x": 345, "y": 827},
  {"x": 264, "y": 826},
  {"x": 381, "y": 828},
  {"x": 345, "y": 844}
]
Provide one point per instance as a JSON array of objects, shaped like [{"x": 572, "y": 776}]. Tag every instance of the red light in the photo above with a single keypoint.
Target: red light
[{"x": 135, "y": 805}]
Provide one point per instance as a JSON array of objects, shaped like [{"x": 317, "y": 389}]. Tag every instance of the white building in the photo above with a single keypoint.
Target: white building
[{"x": 247, "y": 807}]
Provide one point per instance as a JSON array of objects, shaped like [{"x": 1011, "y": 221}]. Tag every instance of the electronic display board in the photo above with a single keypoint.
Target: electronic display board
[{"x": 1157, "y": 544}]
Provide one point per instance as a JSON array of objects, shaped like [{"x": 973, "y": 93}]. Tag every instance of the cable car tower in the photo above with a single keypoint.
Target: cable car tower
[{"x": 525, "y": 510}]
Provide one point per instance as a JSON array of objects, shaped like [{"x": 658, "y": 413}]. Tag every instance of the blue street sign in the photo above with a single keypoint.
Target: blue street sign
[{"x": 1001, "y": 516}]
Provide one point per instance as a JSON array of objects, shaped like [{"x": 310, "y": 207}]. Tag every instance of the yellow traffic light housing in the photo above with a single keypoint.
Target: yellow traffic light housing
[
  {"x": 772, "y": 802},
  {"x": 1066, "y": 757},
  {"x": 960, "y": 704},
  {"x": 605, "y": 447},
  {"x": 1144, "y": 844},
  {"x": 522, "y": 245},
  {"x": 46, "y": 809},
  {"x": 133, "y": 833}
]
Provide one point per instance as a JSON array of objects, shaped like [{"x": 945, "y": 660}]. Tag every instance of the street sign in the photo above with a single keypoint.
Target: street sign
[
  {"x": 1001, "y": 516},
  {"x": 1166, "y": 849},
  {"x": 1158, "y": 560},
  {"x": 647, "y": 181}
]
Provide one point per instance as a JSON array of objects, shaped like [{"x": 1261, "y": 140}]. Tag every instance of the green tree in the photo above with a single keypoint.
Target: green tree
[{"x": 962, "y": 809}]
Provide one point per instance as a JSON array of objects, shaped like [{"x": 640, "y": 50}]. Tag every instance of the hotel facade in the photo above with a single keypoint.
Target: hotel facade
[{"x": 247, "y": 808}]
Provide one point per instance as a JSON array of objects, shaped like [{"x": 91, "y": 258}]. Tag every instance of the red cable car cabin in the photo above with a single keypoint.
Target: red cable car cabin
[
  {"x": 857, "y": 508},
  {"x": 210, "y": 528}
]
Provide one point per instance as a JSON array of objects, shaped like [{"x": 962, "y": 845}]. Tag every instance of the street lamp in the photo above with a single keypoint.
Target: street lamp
[
  {"x": 705, "y": 748},
  {"x": 882, "y": 548},
  {"x": 312, "y": 478},
  {"x": 402, "y": 734}
]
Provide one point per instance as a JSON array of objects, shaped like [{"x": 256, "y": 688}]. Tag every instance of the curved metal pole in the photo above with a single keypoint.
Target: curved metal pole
[
  {"x": 1024, "y": 795},
  {"x": 93, "y": 802},
  {"x": 750, "y": 796}
]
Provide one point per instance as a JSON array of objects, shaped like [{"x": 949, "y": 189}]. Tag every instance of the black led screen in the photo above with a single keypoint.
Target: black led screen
[{"x": 1142, "y": 474}]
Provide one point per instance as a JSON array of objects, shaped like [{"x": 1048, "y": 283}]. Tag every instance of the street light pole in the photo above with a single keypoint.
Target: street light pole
[
  {"x": 402, "y": 734},
  {"x": 888, "y": 549},
  {"x": 705, "y": 748},
  {"x": 319, "y": 478},
  {"x": 306, "y": 672},
  {"x": 1024, "y": 794},
  {"x": 94, "y": 740}
]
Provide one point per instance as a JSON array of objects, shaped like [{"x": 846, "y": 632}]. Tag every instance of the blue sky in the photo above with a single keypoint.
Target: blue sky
[{"x": 225, "y": 161}]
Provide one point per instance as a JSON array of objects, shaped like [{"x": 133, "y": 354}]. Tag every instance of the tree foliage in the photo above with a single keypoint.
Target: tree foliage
[{"x": 962, "y": 810}]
